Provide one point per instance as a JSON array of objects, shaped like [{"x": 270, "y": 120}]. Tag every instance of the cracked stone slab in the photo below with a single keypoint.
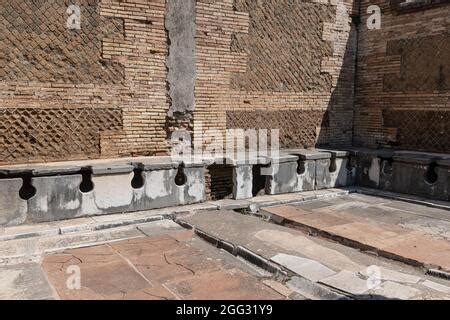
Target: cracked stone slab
[
  {"x": 306, "y": 268},
  {"x": 230, "y": 284},
  {"x": 348, "y": 282},
  {"x": 312, "y": 290},
  {"x": 395, "y": 276},
  {"x": 23, "y": 250},
  {"x": 228, "y": 204},
  {"x": 159, "y": 227},
  {"x": 392, "y": 290},
  {"x": 430, "y": 226},
  {"x": 436, "y": 286},
  {"x": 27, "y": 231},
  {"x": 279, "y": 214},
  {"x": 101, "y": 271},
  {"x": 278, "y": 287},
  {"x": 170, "y": 265},
  {"x": 24, "y": 282}
]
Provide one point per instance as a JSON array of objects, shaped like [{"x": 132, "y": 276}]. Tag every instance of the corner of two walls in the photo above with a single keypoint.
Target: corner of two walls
[
  {"x": 139, "y": 71},
  {"x": 403, "y": 79}
]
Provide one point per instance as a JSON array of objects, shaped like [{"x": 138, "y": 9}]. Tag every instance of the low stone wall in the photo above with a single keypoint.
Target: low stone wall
[
  {"x": 306, "y": 170},
  {"x": 415, "y": 173},
  {"x": 42, "y": 194}
]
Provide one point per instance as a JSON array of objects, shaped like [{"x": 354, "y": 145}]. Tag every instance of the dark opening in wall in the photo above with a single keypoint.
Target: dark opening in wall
[
  {"x": 138, "y": 179},
  {"x": 181, "y": 179},
  {"x": 431, "y": 176},
  {"x": 387, "y": 166},
  {"x": 259, "y": 181},
  {"x": 333, "y": 165},
  {"x": 86, "y": 183},
  {"x": 219, "y": 182},
  {"x": 351, "y": 163},
  {"x": 27, "y": 191},
  {"x": 301, "y": 169}
]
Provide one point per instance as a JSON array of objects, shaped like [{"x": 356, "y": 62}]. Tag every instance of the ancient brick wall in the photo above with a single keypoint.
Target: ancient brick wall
[
  {"x": 115, "y": 88},
  {"x": 219, "y": 182},
  {"x": 74, "y": 94},
  {"x": 403, "y": 78},
  {"x": 277, "y": 64}
]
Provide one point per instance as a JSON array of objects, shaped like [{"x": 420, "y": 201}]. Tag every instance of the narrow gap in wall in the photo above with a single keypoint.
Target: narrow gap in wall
[
  {"x": 387, "y": 166},
  {"x": 27, "y": 191},
  {"x": 351, "y": 163},
  {"x": 259, "y": 181},
  {"x": 86, "y": 183},
  {"x": 220, "y": 184},
  {"x": 431, "y": 176},
  {"x": 333, "y": 165}
]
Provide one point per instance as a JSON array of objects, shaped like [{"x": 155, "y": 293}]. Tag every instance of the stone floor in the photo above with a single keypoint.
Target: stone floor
[
  {"x": 172, "y": 265},
  {"x": 404, "y": 231},
  {"x": 318, "y": 245}
]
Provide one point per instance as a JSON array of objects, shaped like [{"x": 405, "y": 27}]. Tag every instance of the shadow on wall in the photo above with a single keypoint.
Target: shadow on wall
[
  {"x": 403, "y": 78},
  {"x": 300, "y": 72},
  {"x": 337, "y": 122}
]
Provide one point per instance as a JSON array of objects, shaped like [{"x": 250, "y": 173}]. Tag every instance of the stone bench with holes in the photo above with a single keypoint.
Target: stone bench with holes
[
  {"x": 43, "y": 193},
  {"x": 408, "y": 172},
  {"x": 241, "y": 174},
  {"x": 298, "y": 170},
  {"x": 421, "y": 174}
]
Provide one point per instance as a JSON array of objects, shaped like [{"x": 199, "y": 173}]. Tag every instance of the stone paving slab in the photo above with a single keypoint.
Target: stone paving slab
[
  {"x": 307, "y": 268},
  {"x": 403, "y": 198},
  {"x": 272, "y": 241},
  {"x": 435, "y": 227},
  {"x": 229, "y": 204},
  {"x": 320, "y": 220},
  {"x": 171, "y": 263},
  {"x": 222, "y": 285},
  {"x": 388, "y": 239},
  {"x": 392, "y": 275},
  {"x": 25, "y": 250},
  {"x": 27, "y": 231},
  {"x": 392, "y": 290},
  {"x": 372, "y": 235},
  {"x": 424, "y": 250},
  {"x": 159, "y": 227},
  {"x": 347, "y": 282},
  {"x": 437, "y": 286},
  {"x": 24, "y": 282},
  {"x": 284, "y": 212}
]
